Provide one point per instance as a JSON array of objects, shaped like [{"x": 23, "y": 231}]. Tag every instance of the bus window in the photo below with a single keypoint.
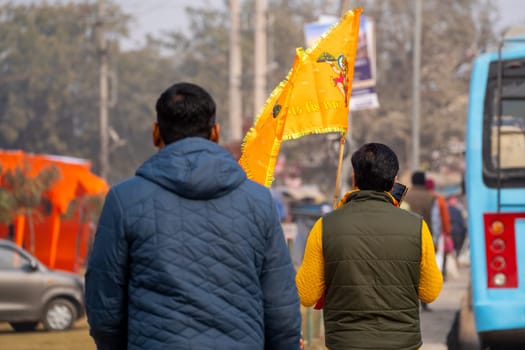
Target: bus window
[
  {"x": 512, "y": 140},
  {"x": 511, "y": 130}
]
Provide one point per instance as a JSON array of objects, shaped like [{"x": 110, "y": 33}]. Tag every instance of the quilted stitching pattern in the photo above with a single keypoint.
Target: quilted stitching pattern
[{"x": 198, "y": 264}]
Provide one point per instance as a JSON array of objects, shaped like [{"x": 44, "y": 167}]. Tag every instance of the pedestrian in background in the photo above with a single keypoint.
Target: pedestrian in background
[
  {"x": 440, "y": 213},
  {"x": 371, "y": 262},
  {"x": 458, "y": 226},
  {"x": 421, "y": 201},
  {"x": 189, "y": 253}
]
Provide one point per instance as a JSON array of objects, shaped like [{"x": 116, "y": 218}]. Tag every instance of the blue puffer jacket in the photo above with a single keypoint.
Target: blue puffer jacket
[{"x": 189, "y": 254}]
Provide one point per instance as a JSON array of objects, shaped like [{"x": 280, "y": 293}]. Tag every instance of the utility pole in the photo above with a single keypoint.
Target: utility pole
[
  {"x": 416, "y": 88},
  {"x": 343, "y": 5},
  {"x": 260, "y": 68},
  {"x": 103, "y": 90},
  {"x": 235, "y": 72}
]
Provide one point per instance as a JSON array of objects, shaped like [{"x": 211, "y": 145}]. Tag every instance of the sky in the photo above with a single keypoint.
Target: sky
[
  {"x": 512, "y": 13},
  {"x": 157, "y": 16}
]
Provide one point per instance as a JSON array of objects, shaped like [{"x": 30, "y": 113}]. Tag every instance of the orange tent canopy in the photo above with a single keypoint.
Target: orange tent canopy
[
  {"x": 75, "y": 175},
  {"x": 75, "y": 179}
]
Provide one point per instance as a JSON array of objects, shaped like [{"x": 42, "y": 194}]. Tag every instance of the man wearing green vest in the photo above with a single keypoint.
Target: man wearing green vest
[{"x": 371, "y": 262}]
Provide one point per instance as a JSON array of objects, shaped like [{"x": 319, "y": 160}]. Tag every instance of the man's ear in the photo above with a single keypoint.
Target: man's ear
[
  {"x": 354, "y": 185},
  {"x": 157, "y": 139},
  {"x": 214, "y": 134}
]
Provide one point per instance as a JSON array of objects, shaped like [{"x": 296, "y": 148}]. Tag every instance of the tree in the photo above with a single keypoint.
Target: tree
[
  {"x": 453, "y": 32},
  {"x": 142, "y": 76},
  {"x": 202, "y": 55},
  {"x": 466, "y": 25},
  {"x": 88, "y": 208},
  {"x": 48, "y": 77},
  {"x": 23, "y": 194},
  {"x": 46, "y": 69},
  {"x": 7, "y": 205}
]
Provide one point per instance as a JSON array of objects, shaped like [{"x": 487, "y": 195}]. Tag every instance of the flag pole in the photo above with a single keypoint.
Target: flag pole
[
  {"x": 342, "y": 8},
  {"x": 339, "y": 166}
]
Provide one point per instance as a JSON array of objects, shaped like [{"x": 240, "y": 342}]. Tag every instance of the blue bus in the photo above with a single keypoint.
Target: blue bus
[{"x": 495, "y": 192}]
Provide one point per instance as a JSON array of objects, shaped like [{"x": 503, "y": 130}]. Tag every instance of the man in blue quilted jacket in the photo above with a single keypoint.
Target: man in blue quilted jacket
[{"x": 189, "y": 253}]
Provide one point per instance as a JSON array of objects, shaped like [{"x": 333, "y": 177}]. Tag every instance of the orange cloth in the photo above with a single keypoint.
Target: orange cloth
[
  {"x": 308, "y": 101},
  {"x": 75, "y": 176},
  {"x": 75, "y": 179},
  {"x": 446, "y": 226},
  {"x": 310, "y": 276}
]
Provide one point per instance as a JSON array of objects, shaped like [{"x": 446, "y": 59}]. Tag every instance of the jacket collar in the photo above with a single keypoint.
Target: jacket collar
[{"x": 362, "y": 195}]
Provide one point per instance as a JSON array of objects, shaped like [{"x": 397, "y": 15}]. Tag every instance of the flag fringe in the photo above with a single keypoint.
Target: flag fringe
[
  {"x": 353, "y": 12},
  {"x": 298, "y": 135}
]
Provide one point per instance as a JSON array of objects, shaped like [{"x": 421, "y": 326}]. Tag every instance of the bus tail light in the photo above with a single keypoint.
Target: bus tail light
[
  {"x": 497, "y": 245},
  {"x": 499, "y": 279},
  {"x": 498, "y": 263},
  {"x": 500, "y": 249},
  {"x": 497, "y": 227}
]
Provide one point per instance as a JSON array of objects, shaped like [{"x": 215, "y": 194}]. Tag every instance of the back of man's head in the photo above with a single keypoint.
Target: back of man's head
[
  {"x": 418, "y": 178},
  {"x": 375, "y": 167},
  {"x": 185, "y": 110}
]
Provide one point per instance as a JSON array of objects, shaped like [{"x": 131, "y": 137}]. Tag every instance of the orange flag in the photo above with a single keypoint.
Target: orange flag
[
  {"x": 261, "y": 144},
  {"x": 314, "y": 98}
]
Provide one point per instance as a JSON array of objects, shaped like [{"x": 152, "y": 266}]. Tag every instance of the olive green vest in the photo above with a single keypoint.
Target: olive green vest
[{"x": 372, "y": 253}]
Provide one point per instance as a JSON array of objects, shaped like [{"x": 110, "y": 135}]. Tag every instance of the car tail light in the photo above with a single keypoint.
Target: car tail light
[{"x": 500, "y": 249}]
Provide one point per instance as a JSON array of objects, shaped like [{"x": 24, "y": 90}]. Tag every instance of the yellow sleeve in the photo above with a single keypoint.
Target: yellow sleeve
[
  {"x": 430, "y": 277},
  {"x": 310, "y": 276}
]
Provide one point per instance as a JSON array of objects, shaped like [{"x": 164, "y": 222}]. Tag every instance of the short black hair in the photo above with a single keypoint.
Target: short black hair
[
  {"x": 375, "y": 167},
  {"x": 185, "y": 110},
  {"x": 418, "y": 178}
]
